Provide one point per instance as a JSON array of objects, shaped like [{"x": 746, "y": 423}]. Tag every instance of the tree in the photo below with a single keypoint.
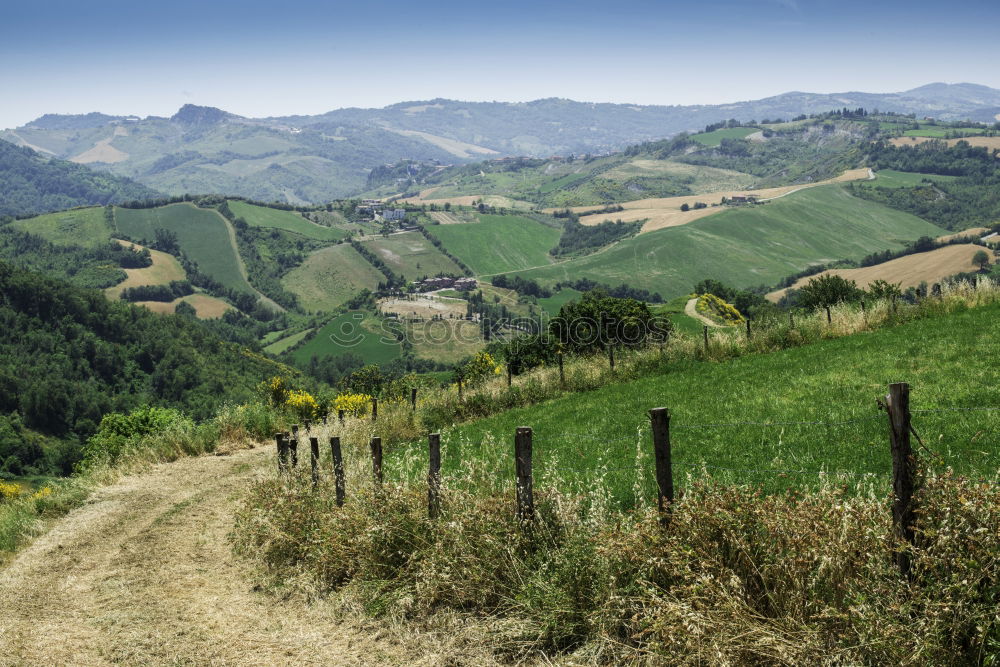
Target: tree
[
  {"x": 981, "y": 259},
  {"x": 828, "y": 290},
  {"x": 880, "y": 289}
]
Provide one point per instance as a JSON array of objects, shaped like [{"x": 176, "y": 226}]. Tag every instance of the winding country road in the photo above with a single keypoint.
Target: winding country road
[{"x": 143, "y": 575}]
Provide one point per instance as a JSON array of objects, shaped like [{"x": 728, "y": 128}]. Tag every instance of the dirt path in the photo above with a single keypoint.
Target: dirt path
[
  {"x": 143, "y": 575},
  {"x": 691, "y": 310}
]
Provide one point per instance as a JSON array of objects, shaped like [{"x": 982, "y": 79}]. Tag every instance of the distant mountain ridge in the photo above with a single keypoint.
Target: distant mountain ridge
[{"x": 316, "y": 158}]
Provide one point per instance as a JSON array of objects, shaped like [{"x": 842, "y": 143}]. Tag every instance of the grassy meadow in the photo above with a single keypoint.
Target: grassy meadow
[
  {"x": 79, "y": 226},
  {"x": 412, "y": 255},
  {"x": 330, "y": 276},
  {"x": 203, "y": 236},
  {"x": 748, "y": 246},
  {"x": 498, "y": 243},
  {"x": 355, "y": 332},
  {"x": 889, "y": 178},
  {"x": 289, "y": 221},
  {"x": 715, "y": 137}
]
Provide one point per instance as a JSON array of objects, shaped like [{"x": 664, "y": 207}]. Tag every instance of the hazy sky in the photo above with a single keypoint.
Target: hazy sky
[{"x": 260, "y": 58}]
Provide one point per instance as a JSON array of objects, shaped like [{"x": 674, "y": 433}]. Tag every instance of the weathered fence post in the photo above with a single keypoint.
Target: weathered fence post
[
  {"x": 748, "y": 328},
  {"x": 314, "y": 460},
  {"x": 338, "y": 468},
  {"x": 509, "y": 378},
  {"x": 903, "y": 515},
  {"x": 611, "y": 355},
  {"x": 863, "y": 311},
  {"x": 791, "y": 320},
  {"x": 413, "y": 399},
  {"x": 282, "y": 452},
  {"x": 434, "y": 476},
  {"x": 460, "y": 388},
  {"x": 660, "y": 418},
  {"x": 705, "y": 336},
  {"x": 293, "y": 443},
  {"x": 829, "y": 317},
  {"x": 340, "y": 417},
  {"x": 307, "y": 425},
  {"x": 376, "y": 447},
  {"x": 374, "y": 409},
  {"x": 562, "y": 373},
  {"x": 522, "y": 467}
]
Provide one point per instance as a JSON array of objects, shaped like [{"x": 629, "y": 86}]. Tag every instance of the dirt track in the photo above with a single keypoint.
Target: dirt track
[{"x": 143, "y": 575}]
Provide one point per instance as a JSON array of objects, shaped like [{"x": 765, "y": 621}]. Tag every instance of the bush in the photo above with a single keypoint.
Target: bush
[{"x": 119, "y": 434}]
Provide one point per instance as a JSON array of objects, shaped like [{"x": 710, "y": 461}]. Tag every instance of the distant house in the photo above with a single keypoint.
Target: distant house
[
  {"x": 394, "y": 214},
  {"x": 737, "y": 200},
  {"x": 465, "y": 284}
]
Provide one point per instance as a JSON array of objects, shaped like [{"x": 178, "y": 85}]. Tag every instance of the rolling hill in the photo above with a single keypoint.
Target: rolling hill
[{"x": 317, "y": 158}]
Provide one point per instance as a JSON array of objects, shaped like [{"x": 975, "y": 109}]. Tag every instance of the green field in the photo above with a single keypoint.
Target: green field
[
  {"x": 683, "y": 323},
  {"x": 714, "y": 138},
  {"x": 412, "y": 255},
  {"x": 889, "y": 178},
  {"x": 747, "y": 247},
  {"x": 80, "y": 226},
  {"x": 262, "y": 216},
  {"x": 331, "y": 276},
  {"x": 203, "y": 235},
  {"x": 499, "y": 243},
  {"x": 552, "y": 304},
  {"x": 355, "y": 333},
  {"x": 282, "y": 344},
  {"x": 832, "y": 381},
  {"x": 937, "y": 132}
]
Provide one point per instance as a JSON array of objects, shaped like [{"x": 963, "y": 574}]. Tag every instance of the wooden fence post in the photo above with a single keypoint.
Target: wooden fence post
[
  {"x": 863, "y": 311},
  {"x": 829, "y": 317},
  {"x": 376, "y": 447},
  {"x": 434, "y": 476},
  {"x": 374, "y": 409},
  {"x": 791, "y": 320},
  {"x": 522, "y": 467},
  {"x": 338, "y": 468},
  {"x": 413, "y": 399},
  {"x": 282, "y": 452},
  {"x": 307, "y": 425},
  {"x": 903, "y": 515},
  {"x": 293, "y": 443},
  {"x": 562, "y": 373},
  {"x": 340, "y": 417},
  {"x": 748, "y": 328},
  {"x": 509, "y": 378},
  {"x": 460, "y": 388},
  {"x": 660, "y": 418},
  {"x": 611, "y": 355},
  {"x": 705, "y": 336},
  {"x": 314, "y": 460}
]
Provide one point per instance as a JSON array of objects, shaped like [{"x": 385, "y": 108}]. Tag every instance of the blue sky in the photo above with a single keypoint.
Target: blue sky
[{"x": 276, "y": 58}]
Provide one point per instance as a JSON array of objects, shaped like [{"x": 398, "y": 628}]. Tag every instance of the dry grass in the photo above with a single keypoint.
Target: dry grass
[
  {"x": 446, "y": 218},
  {"x": 206, "y": 307},
  {"x": 909, "y": 271},
  {"x": 102, "y": 151},
  {"x": 164, "y": 269},
  {"x": 497, "y": 201},
  {"x": 985, "y": 142},
  {"x": 457, "y": 148},
  {"x": 665, "y": 211},
  {"x": 423, "y": 306}
]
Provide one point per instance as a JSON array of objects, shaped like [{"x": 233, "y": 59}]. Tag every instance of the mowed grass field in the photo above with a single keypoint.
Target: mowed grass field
[
  {"x": 262, "y": 216},
  {"x": 499, "y": 243},
  {"x": 331, "y": 276},
  {"x": 165, "y": 269},
  {"x": 355, "y": 333},
  {"x": 740, "y": 420},
  {"x": 909, "y": 271},
  {"x": 81, "y": 226},
  {"x": 203, "y": 236},
  {"x": 412, "y": 255},
  {"x": 889, "y": 178},
  {"x": 714, "y": 138},
  {"x": 552, "y": 304},
  {"x": 750, "y": 246}
]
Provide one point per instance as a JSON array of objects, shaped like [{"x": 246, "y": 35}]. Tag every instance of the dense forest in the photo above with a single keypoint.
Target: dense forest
[
  {"x": 69, "y": 356},
  {"x": 582, "y": 239},
  {"x": 33, "y": 183}
]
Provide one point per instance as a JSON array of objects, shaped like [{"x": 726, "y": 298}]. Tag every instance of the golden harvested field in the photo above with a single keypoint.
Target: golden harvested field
[
  {"x": 910, "y": 271},
  {"x": 986, "y": 142},
  {"x": 973, "y": 232},
  {"x": 103, "y": 151},
  {"x": 164, "y": 269},
  {"x": 207, "y": 307},
  {"x": 424, "y": 306},
  {"x": 666, "y": 211}
]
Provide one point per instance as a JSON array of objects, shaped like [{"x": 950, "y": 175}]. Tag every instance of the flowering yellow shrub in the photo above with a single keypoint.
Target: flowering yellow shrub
[
  {"x": 717, "y": 309},
  {"x": 43, "y": 492},
  {"x": 482, "y": 366},
  {"x": 302, "y": 404},
  {"x": 275, "y": 391},
  {"x": 9, "y": 491},
  {"x": 352, "y": 404}
]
